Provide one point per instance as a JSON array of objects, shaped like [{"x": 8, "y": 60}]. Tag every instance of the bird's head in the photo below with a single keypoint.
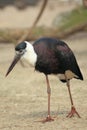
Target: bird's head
[{"x": 21, "y": 50}]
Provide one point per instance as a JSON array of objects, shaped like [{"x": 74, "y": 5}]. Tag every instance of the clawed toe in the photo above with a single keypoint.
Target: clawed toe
[
  {"x": 73, "y": 112},
  {"x": 47, "y": 119}
]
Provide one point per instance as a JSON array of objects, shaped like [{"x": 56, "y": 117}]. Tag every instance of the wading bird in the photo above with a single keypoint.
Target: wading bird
[{"x": 50, "y": 56}]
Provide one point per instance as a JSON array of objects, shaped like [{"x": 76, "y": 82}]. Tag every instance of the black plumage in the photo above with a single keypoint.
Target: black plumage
[{"x": 55, "y": 57}]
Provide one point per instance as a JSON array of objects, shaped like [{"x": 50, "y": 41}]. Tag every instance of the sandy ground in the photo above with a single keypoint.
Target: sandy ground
[{"x": 23, "y": 96}]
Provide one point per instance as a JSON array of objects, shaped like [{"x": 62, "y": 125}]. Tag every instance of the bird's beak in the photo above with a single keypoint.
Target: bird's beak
[{"x": 15, "y": 60}]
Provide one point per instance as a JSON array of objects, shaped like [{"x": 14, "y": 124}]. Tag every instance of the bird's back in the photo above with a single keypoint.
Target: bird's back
[{"x": 54, "y": 56}]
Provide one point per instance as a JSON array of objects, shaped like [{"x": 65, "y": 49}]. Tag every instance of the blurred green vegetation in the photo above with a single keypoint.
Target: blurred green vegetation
[{"x": 74, "y": 18}]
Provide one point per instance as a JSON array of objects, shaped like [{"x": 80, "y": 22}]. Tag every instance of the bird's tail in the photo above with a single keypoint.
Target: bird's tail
[{"x": 78, "y": 73}]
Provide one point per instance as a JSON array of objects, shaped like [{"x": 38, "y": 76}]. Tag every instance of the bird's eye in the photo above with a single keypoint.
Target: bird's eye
[{"x": 20, "y": 51}]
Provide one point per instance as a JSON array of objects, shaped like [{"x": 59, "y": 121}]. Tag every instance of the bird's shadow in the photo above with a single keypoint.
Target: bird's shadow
[{"x": 41, "y": 114}]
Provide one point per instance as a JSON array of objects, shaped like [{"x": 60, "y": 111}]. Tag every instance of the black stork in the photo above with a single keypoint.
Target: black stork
[{"x": 50, "y": 56}]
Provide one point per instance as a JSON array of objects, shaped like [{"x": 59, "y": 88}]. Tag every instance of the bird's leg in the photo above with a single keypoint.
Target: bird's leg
[
  {"x": 48, "y": 118},
  {"x": 73, "y": 109}
]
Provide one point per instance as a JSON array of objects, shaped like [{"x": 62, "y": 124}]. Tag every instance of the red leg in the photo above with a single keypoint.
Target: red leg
[
  {"x": 48, "y": 118},
  {"x": 73, "y": 109}
]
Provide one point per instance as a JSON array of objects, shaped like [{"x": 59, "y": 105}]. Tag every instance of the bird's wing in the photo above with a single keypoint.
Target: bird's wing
[{"x": 67, "y": 60}]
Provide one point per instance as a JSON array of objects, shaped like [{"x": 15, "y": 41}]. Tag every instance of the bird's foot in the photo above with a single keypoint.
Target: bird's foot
[
  {"x": 72, "y": 112},
  {"x": 48, "y": 119}
]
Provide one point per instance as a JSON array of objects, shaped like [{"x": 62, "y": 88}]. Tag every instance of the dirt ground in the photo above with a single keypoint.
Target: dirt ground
[{"x": 23, "y": 96}]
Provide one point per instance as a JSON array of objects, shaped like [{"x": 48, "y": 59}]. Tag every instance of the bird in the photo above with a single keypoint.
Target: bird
[{"x": 50, "y": 56}]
